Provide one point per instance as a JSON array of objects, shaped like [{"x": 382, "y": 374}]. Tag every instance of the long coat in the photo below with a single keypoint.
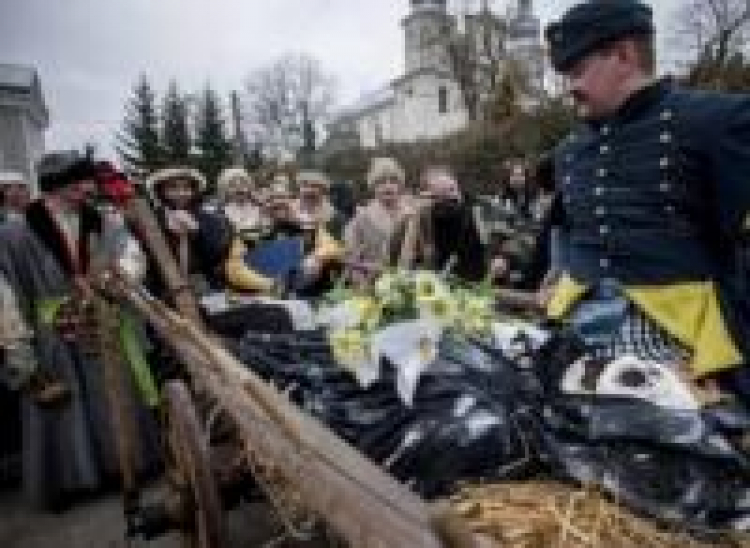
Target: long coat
[{"x": 68, "y": 450}]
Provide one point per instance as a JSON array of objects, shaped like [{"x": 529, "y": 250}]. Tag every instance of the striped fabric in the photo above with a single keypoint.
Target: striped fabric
[{"x": 614, "y": 327}]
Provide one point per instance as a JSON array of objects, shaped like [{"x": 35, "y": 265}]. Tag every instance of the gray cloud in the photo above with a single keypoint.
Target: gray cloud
[{"x": 90, "y": 52}]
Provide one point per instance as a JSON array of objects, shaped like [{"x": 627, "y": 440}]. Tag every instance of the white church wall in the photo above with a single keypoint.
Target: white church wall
[{"x": 417, "y": 114}]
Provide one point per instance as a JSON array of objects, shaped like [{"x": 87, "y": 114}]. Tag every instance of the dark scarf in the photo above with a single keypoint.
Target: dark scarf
[
  {"x": 74, "y": 262},
  {"x": 454, "y": 234}
]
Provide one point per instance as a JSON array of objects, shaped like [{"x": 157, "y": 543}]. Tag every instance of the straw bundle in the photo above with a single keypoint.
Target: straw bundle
[{"x": 544, "y": 515}]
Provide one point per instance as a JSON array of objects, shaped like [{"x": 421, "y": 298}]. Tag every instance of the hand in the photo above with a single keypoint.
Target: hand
[
  {"x": 47, "y": 392},
  {"x": 181, "y": 222},
  {"x": 543, "y": 296},
  {"x": 498, "y": 268},
  {"x": 312, "y": 267}
]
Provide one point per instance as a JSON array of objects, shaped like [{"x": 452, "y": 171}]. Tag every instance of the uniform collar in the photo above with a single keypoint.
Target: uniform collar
[{"x": 638, "y": 103}]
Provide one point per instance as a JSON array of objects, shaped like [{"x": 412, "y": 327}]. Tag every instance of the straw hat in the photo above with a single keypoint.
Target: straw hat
[
  {"x": 384, "y": 168},
  {"x": 313, "y": 178},
  {"x": 155, "y": 180},
  {"x": 233, "y": 179}
]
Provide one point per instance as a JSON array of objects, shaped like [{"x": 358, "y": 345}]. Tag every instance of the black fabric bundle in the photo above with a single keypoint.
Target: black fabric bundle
[{"x": 478, "y": 415}]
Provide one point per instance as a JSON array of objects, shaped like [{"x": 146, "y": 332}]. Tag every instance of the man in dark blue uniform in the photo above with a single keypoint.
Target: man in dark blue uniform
[{"x": 655, "y": 189}]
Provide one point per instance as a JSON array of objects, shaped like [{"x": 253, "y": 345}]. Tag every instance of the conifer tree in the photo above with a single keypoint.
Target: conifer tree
[
  {"x": 175, "y": 130},
  {"x": 137, "y": 143},
  {"x": 213, "y": 147}
]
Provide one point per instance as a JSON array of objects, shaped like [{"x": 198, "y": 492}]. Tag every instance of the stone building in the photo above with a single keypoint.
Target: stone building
[{"x": 23, "y": 119}]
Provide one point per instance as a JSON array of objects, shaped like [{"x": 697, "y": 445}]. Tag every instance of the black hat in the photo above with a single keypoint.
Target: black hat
[
  {"x": 60, "y": 169},
  {"x": 592, "y": 24}
]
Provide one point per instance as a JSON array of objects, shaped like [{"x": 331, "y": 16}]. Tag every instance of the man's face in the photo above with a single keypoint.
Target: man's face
[
  {"x": 596, "y": 82},
  {"x": 278, "y": 209},
  {"x": 79, "y": 193},
  {"x": 16, "y": 196},
  {"x": 517, "y": 178}
]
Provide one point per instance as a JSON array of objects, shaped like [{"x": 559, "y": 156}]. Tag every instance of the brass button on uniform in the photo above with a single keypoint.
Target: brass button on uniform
[
  {"x": 665, "y": 162},
  {"x": 601, "y": 172},
  {"x": 604, "y": 263},
  {"x": 665, "y": 137}
]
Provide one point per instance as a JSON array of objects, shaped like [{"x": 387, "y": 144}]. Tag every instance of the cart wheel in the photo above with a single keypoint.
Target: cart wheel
[{"x": 189, "y": 471}]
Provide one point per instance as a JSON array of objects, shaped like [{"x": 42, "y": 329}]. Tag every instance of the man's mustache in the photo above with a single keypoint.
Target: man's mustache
[{"x": 578, "y": 96}]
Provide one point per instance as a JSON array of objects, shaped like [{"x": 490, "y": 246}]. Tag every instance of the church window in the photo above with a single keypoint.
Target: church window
[{"x": 442, "y": 100}]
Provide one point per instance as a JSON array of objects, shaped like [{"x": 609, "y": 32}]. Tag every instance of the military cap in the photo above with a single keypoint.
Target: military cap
[{"x": 592, "y": 24}]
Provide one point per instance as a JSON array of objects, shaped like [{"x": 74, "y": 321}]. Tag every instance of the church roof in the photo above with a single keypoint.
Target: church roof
[
  {"x": 368, "y": 101},
  {"x": 17, "y": 76}
]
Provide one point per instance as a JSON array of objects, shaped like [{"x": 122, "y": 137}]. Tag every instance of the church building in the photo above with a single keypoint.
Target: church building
[{"x": 426, "y": 102}]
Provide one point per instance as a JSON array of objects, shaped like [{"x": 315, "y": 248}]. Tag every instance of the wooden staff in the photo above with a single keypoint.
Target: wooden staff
[{"x": 357, "y": 498}]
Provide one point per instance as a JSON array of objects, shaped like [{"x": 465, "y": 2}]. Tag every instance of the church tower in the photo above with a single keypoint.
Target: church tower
[
  {"x": 524, "y": 42},
  {"x": 423, "y": 28}
]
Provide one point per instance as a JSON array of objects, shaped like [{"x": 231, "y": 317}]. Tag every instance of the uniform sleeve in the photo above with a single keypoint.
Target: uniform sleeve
[{"x": 730, "y": 163}]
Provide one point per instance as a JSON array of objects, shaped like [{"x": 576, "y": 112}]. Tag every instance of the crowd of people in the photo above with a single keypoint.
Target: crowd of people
[
  {"x": 633, "y": 231},
  {"x": 278, "y": 236}
]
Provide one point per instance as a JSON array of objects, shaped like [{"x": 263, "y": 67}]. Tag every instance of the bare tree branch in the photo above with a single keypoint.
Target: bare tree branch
[{"x": 287, "y": 99}]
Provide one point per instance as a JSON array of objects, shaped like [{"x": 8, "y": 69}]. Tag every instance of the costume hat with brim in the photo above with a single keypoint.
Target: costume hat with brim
[
  {"x": 162, "y": 176},
  {"x": 60, "y": 169},
  {"x": 234, "y": 178},
  {"x": 12, "y": 178},
  {"x": 591, "y": 25},
  {"x": 382, "y": 169},
  {"x": 313, "y": 178}
]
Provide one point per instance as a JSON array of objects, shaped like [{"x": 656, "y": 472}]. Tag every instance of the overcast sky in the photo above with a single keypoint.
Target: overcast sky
[{"x": 90, "y": 52}]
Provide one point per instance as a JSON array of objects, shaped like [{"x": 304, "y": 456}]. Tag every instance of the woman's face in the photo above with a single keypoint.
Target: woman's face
[
  {"x": 16, "y": 196},
  {"x": 388, "y": 190},
  {"x": 239, "y": 195},
  {"x": 178, "y": 193}
]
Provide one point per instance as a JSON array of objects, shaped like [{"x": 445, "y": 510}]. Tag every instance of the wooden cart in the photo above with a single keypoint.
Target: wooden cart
[{"x": 360, "y": 502}]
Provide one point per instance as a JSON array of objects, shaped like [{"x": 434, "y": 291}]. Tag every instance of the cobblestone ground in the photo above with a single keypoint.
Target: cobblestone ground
[{"x": 100, "y": 524}]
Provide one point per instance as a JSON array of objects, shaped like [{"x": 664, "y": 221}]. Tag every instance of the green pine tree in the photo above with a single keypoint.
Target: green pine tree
[
  {"x": 214, "y": 148},
  {"x": 137, "y": 143},
  {"x": 175, "y": 132}
]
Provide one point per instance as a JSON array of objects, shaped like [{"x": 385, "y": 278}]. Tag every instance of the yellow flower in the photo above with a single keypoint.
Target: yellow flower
[
  {"x": 391, "y": 289},
  {"x": 428, "y": 350},
  {"x": 428, "y": 285},
  {"x": 441, "y": 307},
  {"x": 350, "y": 347},
  {"x": 370, "y": 312}
]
